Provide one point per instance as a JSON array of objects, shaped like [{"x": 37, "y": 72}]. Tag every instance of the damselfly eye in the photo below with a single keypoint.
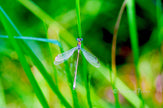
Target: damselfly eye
[{"x": 77, "y": 39}]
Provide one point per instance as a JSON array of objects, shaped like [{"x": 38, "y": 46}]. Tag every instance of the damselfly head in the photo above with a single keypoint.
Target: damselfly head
[{"x": 79, "y": 39}]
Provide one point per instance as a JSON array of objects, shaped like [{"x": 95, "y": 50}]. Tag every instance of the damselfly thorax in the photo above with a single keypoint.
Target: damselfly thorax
[{"x": 79, "y": 43}]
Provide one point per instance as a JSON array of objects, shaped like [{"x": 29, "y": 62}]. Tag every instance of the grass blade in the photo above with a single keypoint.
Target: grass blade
[
  {"x": 86, "y": 80},
  {"x": 41, "y": 68},
  {"x": 78, "y": 18},
  {"x": 117, "y": 104},
  {"x": 52, "y": 61},
  {"x": 34, "y": 39},
  {"x": 24, "y": 63},
  {"x": 134, "y": 41}
]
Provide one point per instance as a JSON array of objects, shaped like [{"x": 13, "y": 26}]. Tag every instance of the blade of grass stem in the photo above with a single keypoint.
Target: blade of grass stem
[
  {"x": 86, "y": 80},
  {"x": 70, "y": 40},
  {"x": 78, "y": 18},
  {"x": 114, "y": 54},
  {"x": 134, "y": 41},
  {"x": 41, "y": 68},
  {"x": 33, "y": 39},
  {"x": 24, "y": 63}
]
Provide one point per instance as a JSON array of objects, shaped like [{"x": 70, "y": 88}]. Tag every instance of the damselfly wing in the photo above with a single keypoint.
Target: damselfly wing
[
  {"x": 90, "y": 58},
  {"x": 64, "y": 56}
]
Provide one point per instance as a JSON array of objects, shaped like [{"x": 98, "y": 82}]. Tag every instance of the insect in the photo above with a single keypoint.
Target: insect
[{"x": 89, "y": 57}]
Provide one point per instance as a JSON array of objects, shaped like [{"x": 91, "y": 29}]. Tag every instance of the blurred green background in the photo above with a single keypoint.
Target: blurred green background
[{"x": 56, "y": 19}]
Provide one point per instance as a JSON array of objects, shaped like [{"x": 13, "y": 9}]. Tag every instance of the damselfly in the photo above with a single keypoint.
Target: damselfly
[{"x": 89, "y": 57}]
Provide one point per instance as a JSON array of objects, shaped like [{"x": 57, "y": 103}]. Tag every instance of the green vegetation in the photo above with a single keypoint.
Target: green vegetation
[{"x": 127, "y": 41}]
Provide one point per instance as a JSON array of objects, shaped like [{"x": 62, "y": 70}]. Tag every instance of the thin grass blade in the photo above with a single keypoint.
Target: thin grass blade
[
  {"x": 83, "y": 58},
  {"x": 134, "y": 41},
  {"x": 33, "y": 39},
  {"x": 41, "y": 68},
  {"x": 24, "y": 63}
]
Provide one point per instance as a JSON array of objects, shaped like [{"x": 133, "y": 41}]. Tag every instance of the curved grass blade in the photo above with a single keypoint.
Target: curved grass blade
[
  {"x": 40, "y": 67},
  {"x": 113, "y": 54},
  {"x": 33, "y": 39},
  {"x": 24, "y": 63}
]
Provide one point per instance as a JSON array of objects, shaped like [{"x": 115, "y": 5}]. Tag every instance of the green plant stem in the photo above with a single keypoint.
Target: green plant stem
[
  {"x": 39, "y": 65},
  {"x": 134, "y": 42},
  {"x": 86, "y": 80},
  {"x": 33, "y": 39},
  {"x": 116, "y": 98},
  {"x": 78, "y": 18},
  {"x": 24, "y": 63}
]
